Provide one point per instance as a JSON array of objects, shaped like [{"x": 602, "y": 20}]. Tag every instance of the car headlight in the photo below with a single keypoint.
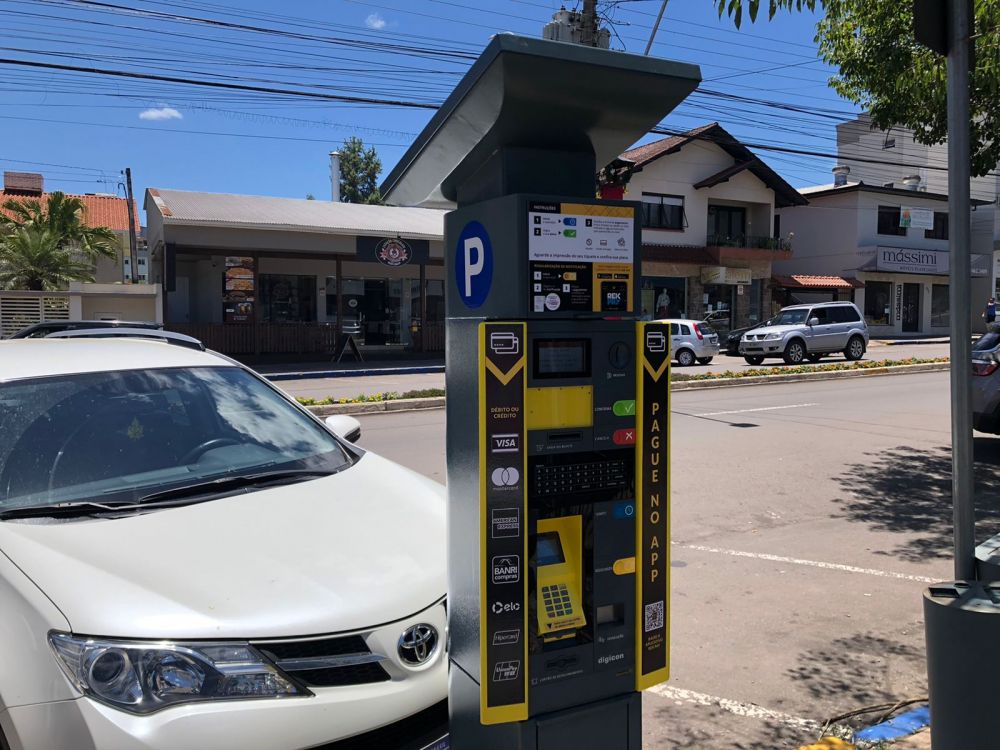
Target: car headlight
[
  {"x": 146, "y": 677},
  {"x": 772, "y": 337}
]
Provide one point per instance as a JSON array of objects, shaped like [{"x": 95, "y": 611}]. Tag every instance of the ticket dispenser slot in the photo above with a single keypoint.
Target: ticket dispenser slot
[{"x": 559, "y": 591}]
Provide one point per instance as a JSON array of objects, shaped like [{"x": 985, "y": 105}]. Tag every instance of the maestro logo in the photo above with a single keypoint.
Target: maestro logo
[{"x": 473, "y": 264}]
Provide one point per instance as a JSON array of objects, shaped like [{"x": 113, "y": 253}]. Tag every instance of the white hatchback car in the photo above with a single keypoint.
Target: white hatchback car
[
  {"x": 189, "y": 559},
  {"x": 692, "y": 341}
]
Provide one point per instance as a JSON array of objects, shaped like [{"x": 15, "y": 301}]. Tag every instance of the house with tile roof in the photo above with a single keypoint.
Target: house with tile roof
[
  {"x": 99, "y": 211},
  {"x": 709, "y": 231}
]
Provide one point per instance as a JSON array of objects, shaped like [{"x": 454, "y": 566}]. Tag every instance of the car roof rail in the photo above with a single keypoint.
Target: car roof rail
[{"x": 167, "y": 337}]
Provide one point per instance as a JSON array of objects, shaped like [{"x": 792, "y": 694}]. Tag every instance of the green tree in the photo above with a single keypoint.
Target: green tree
[
  {"x": 62, "y": 217},
  {"x": 359, "y": 171},
  {"x": 32, "y": 257},
  {"x": 883, "y": 69}
]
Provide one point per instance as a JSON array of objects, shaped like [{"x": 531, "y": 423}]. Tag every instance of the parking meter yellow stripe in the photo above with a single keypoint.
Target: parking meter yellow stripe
[{"x": 598, "y": 209}]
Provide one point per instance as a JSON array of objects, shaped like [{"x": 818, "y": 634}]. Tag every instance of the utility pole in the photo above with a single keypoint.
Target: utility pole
[
  {"x": 656, "y": 27},
  {"x": 962, "y": 481},
  {"x": 132, "y": 248},
  {"x": 589, "y": 23}
]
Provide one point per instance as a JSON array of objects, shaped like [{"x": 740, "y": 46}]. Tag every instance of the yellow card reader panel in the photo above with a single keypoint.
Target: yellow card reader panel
[
  {"x": 559, "y": 563},
  {"x": 559, "y": 407}
]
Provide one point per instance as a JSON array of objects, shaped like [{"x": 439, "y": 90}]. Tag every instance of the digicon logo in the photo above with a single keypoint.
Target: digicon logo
[{"x": 611, "y": 658}]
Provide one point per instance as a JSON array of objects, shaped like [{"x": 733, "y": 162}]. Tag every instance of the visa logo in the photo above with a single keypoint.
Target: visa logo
[{"x": 509, "y": 443}]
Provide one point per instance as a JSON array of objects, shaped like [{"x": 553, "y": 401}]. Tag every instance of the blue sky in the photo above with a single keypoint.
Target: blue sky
[{"x": 81, "y": 129}]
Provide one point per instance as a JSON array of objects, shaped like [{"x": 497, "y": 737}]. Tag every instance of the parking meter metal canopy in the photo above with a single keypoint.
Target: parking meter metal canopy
[{"x": 551, "y": 99}]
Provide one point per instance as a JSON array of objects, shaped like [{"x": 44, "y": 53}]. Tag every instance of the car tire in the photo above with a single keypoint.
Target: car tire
[
  {"x": 814, "y": 357},
  {"x": 685, "y": 358},
  {"x": 855, "y": 349},
  {"x": 704, "y": 360},
  {"x": 795, "y": 352},
  {"x": 754, "y": 360}
]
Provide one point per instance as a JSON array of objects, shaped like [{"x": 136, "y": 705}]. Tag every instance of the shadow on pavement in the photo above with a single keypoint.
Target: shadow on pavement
[
  {"x": 861, "y": 670},
  {"x": 687, "y": 727},
  {"x": 908, "y": 490}
]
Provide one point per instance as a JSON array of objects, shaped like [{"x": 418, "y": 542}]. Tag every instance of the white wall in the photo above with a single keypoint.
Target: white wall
[
  {"x": 826, "y": 236},
  {"x": 676, "y": 174}
]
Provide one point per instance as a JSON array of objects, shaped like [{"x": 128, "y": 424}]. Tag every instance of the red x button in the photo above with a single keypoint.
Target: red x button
[{"x": 625, "y": 436}]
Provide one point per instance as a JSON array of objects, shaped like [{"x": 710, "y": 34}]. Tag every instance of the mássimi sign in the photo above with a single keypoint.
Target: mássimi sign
[{"x": 929, "y": 262}]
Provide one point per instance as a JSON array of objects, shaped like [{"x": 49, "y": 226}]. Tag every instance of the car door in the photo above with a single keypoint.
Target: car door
[
  {"x": 675, "y": 337},
  {"x": 820, "y": 335},
  {"x": 840, "y": 326}
]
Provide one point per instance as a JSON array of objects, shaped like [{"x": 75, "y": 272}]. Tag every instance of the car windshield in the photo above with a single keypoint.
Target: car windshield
[
  {"x": 118, "y": 436},
  {"x": 789, "y": 318},
  {"x": 988, "y": 341}
]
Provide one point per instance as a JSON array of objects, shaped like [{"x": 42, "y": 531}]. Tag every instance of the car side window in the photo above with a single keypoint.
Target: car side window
[
  {"x": 836, "y": 315},
  {"x": 851, "y": 314},
  {"x": 823, "y": 313},
  {"x": 685, "y": 330},
  {"x": 675, "y": 329}
]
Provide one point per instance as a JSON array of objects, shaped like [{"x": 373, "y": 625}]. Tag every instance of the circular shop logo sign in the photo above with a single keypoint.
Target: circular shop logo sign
[
  {"x": 393, "y": 252},
  {"x": 473, "y": 264}
]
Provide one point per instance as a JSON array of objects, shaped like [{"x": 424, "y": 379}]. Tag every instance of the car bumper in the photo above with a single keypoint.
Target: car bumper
[
  {"x": 389, "y": 714},
  {"x": 761, "y": 349}
]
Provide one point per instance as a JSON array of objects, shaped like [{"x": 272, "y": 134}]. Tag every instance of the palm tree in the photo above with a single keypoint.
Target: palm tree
[
  {"x": 62, "y": 217},
  {"x": 31, "y": 258}
]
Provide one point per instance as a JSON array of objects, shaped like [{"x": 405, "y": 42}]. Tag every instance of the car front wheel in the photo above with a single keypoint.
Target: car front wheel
[
  {"x": 795, "y": 352},
  {"x": 754, "y": 360},
  {"x": 855, "y": 349},
  {"x": 685, "y": 358}
]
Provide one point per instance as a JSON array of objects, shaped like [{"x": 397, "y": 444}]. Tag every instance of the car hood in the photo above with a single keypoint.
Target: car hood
[
  {"x": 359, "y": 548},
  {"x": 776, "y": 329}
]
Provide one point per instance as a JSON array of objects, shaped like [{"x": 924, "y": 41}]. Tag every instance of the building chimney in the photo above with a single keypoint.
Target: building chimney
[
  {"x": 335, "y": 176},
  {"x": 911, "y": 182},
  {"x": 23, "y": 183},
  {"x": 840, "y": 173}
]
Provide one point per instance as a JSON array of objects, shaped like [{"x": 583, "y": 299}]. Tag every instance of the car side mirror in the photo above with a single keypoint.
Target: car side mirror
[
  {"x": 813, "y": 322},
  {"x": 345, "y": 427}
]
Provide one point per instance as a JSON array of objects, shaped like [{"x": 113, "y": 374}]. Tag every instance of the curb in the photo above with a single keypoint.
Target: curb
[
  {"x": 322, "y": 374},
  {"x": 438, "y": 402}
]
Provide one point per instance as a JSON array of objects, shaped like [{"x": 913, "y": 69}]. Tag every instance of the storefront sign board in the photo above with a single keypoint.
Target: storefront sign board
[
  {"x": 916, "y": 218},
  {"x": 928, "y": 262}
]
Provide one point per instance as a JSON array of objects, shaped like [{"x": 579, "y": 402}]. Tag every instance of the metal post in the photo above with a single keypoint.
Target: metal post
[
  {"x": 132, "y": 249},
  {"x": 656, "y": 27},
  {"x": 961, "y": 287}
]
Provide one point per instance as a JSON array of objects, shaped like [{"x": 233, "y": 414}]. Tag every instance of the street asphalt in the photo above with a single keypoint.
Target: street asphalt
[
  {"x": 350, "y": 387},
  {"x": 807, "y": 519}
]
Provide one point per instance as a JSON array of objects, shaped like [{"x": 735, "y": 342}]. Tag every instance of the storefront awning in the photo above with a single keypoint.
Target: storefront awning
[{"x": 800, "y": 281}]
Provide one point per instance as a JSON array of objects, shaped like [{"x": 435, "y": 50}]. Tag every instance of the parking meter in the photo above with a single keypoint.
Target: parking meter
[{"x": 558, "y": 399}]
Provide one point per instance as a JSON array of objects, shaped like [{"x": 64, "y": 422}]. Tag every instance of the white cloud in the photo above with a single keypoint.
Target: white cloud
[
  {"x": 375, "y": 21},
  {"x": 161, "y": 113}
]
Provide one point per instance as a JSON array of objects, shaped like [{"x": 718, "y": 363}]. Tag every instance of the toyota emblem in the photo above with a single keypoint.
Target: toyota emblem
[{"x": 418, "y": 644}]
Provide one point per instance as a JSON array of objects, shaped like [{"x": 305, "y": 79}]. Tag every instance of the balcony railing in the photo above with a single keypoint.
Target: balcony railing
[{"x": 748, "y": 241}]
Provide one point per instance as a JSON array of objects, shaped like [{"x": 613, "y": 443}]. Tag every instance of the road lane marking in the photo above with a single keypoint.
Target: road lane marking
[
  {"x": 810, "y": 563},
  {"x": 748, "y": 411},
  {"x": 746, "y": 710}
]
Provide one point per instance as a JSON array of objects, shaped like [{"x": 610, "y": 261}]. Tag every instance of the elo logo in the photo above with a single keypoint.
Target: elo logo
[{"x": 473, "y": 264}]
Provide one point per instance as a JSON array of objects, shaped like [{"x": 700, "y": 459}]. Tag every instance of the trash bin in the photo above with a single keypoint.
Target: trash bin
[{"x": 962, "y": 626}]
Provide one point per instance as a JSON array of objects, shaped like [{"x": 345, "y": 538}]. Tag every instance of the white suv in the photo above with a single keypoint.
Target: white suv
[
  {"x": 802, "y": 332},
  {"x": 189, "y": 559}
]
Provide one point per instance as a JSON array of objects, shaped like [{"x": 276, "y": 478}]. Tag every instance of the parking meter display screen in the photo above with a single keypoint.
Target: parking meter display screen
[
  {"x": 562, "y": 358},
  {"x": 548, "y": 550}
]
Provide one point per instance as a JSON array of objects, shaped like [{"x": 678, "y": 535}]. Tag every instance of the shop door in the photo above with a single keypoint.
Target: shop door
[{"x": 911, "y": 308}]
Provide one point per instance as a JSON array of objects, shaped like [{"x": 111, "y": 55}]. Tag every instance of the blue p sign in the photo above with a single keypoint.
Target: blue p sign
[{"x": 473, "y": 264}]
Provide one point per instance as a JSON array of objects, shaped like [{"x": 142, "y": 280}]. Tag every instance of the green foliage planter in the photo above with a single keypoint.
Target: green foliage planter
[
  {"x": 372, "y": 398},
  {"x": 758, "y": 372}
]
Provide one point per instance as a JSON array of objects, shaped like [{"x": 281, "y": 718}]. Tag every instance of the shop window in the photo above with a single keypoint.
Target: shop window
[
  {"x": 878, "y": 301},
  {"x": 888, "y": 221},
  {"x": 940, "y": 317},
  {"x": 663, "y": 211},
  {"x": 287, "y": 299},
  {"x": 663, "y": 298},
  {"x": 756, "y": 306},
  {"x": 720, "y": 303},
  {"x": 940, "y": 230}
]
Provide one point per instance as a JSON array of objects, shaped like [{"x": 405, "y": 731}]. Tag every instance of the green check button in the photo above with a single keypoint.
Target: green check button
[{"x": 624, "y": 408}]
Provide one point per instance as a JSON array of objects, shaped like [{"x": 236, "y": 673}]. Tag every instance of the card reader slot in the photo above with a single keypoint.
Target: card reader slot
[{"x": 558, "y": 437}]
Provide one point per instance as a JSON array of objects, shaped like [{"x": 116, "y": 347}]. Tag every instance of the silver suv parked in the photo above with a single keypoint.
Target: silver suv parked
[
  {"x": 691, "y": 341},
  {"x": 808, "y": 332}
]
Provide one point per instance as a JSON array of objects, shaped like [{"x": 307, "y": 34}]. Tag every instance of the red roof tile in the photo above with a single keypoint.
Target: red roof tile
[
  {"x": 644, "y": 154},
  {"x": 100, "y": 210}
]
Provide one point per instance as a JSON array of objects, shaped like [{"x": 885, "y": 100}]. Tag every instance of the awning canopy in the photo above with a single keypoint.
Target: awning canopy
[{"x": 800, "y": 281}]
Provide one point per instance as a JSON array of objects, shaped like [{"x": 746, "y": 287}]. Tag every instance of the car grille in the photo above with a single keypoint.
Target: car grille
[
  {"x": 412, "y": 733},
  {"x": 329, "y": 662}
]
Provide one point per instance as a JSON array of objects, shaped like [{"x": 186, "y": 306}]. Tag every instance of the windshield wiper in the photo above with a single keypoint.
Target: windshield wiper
[
  {"x": 230, "y": 484},
  {"x": 81, "y": 508}
]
